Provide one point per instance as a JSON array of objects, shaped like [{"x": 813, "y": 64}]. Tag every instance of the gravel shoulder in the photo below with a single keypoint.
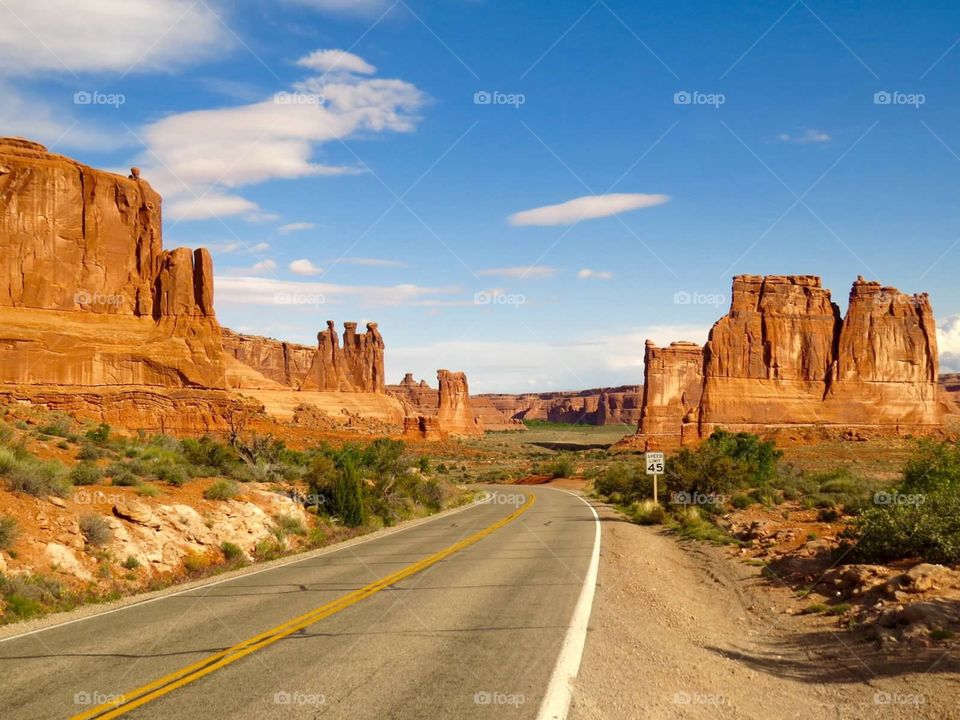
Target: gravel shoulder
[{"x": 683, "y": 630}]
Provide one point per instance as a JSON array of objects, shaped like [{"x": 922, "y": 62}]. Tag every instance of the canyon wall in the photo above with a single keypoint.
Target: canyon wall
[
  {"x": 454, "y": 413},
  {"x": 281, "y": 362},
  {"x": 448, "y": 410},
  {"x": 599, "y": 406},
  {"x": 356, "y": 367},
  {"x": 784, "y": 357}
]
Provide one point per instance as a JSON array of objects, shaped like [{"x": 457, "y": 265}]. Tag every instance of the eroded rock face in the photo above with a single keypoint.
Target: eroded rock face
[
  {"x": 282, "y": 362},
  {"x": 356, "y": 367},
  {"x": 453, "y": 412},
  {"x": 597, "y": 406},
  {"x": 88, "y": 296},
  {"x": 783, "y": 357}
]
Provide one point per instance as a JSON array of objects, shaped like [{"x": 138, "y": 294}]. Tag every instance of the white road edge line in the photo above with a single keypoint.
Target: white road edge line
[
  {"x": 556, "y": 702},
  {"x": 480, "y": 500}
]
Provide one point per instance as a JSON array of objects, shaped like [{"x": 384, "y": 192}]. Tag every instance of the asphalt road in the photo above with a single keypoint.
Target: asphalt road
[{"x": 476, "y": 634}]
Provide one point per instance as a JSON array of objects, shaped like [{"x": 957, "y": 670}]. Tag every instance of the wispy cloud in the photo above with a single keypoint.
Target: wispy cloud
[
  {"x": 371, "y": 262},
  {"x": 586, "y": 208},
  {"x": 336, "y": 61},
  {"x": 268, "y": 291},
  {"x": 522, "y": 271},
  {"x": 263, "y": 267},
  {"x": 295, "y": 227},
  {"x": 587, "y": 274},
  {"x": 808, "y": 137},
  {"x": 304, "y": 267},
  {"x": 948, "y": 342}
]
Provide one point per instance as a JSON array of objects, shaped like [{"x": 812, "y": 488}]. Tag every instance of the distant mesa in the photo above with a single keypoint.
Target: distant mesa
[{"x": 783, "y": 357}]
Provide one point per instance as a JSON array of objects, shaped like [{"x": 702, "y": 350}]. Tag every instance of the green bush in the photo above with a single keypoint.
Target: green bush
[
  {"x": 96, "y": 530},
  {"x": 58, "y": 426},
  {"x": 86, "y": 473},
  {"x": 724, "y": 463},
  {"x": 99, "y": 434},
  {"x": 147, "y": 490},
  {"x": 347, "y": 497},
  {"x": 8, "y": 460},
  {"x": 231, "y": 551},
  {"x": 289, "y": 525},
  {"x": 131, "y": 563},
  {"x": 647, "y": 512},
  {"x": 89, "y": 451},
  {"x": 9, "y": 532},
  {"x": 39, "y": 478},
  {"x": 171, "y": 474},
  {"x": 222, "y": 490},
  {"x": 562, "y": 467}
]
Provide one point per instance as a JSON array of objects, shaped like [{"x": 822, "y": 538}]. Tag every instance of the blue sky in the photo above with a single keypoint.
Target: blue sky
[{"x": 336, "y": 157}]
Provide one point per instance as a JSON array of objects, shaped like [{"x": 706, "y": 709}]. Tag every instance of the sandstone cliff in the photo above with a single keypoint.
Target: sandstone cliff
[
  {"x": 356, "y": 367},
  {"x": 453, "y": 411},
  {"x": 419, "y": 399},
  {"x": 281, "y": 362},
  {"x": 783, "y": 357},
  {"x": 598, "y": 406}
]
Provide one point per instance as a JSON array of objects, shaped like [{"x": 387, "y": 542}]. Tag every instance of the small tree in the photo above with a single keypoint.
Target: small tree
[{"x": 348, "y": 493}]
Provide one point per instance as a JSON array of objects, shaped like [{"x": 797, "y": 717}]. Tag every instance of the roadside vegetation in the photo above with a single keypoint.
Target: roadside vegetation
[{"x": 346, "y": 491}]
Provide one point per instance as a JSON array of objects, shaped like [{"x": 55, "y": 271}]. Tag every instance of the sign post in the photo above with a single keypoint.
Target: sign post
[{"x": 654, "y": 461}]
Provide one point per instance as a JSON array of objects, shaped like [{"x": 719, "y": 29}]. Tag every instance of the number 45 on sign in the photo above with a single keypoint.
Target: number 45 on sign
[{"x": 654, "y": 467}]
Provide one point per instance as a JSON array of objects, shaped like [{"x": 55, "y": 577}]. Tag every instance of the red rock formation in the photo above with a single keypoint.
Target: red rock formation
[
  {"x": 599, "y": 406},
  {"x": 422, "y": 427},
  {"x": 672, "y": 386},
  {"x": 783, "y": 357},
  {"x": 453, "y": 411},
  {"x": 418, "y": 398},
  {"x": 79, "y": 246},
  {"x": 357, "y": 367},
  {"x": 282, "y": 362}
]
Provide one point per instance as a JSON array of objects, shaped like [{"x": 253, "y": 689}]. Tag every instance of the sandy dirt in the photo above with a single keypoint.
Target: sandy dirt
[{"x": 682, "y": 630}]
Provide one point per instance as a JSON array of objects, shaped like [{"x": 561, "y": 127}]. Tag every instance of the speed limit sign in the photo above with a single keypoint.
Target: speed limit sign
[{"x": 654, "y": 463}]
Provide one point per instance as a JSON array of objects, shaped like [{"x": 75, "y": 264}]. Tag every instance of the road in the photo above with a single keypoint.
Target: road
[{"x": 464, "y": 616}]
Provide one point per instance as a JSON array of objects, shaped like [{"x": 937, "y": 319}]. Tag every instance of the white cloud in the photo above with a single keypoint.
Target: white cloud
[
  {"x": 106, "y": 35},
  {"x": 948, "y": 343},
  {"x": 304, "y": 267},
  {"x": 587, "y": 273},
  {"x": 270, "y": 292},
  {"x": 523, "y": 271},
  {"x": 260, "y": 247},
  {"x": 295, "y": 227},
  {"x": 347, "y": 7},
  {"x": 328, "y": 61},
  {"x": 213, "y": 152},
  {"x": 808, "y": 137},
  {"x": 263, "y": 267},
  {"x": 587, "y": 207}
]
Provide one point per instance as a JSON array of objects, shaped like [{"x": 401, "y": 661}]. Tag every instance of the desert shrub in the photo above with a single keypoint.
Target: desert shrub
[
  {"x": 170, "y": 473},
  {"x": 562, "y": 467},
  {"x": 210, "y": 454},
  {"x": 9, "y": 532},
  {"x": 96, "y": 530},
  {"x": 59, "y": 425},
  {"x": 131, "y": 563},
  {"x": 86, "y": 473},
  {"x": 89, "y": 451},
  {"x": 39, "y": 478},
  {"x": 6, "y": 434},
  {"x": 840, "y": 481},
  {"x": 231, "y": 551},
  {"x": 289, "y": 525},
  {"x": 99, "y": 435},
  {"x": 347, "y": 497},
  {"x": 195, "y": 563},
  {"x": 691, "y": 524},
  {"x": 222, "y": 490},
  {"x": 647, "y": 512},
  {"x": 269, "y": 549},
  {"x": 147, "y": 490},
  {"x": 726, "y": 462},
  {"x": 624, "y": 483},
  {"x": 741, "y": 501},
  {"x": 423, "y": 463},
  {"x": 25, "y": 596},
  {"x": 8, "y": 460}
]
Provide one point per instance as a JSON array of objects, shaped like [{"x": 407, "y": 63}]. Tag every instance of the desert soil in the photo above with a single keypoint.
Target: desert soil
[{"x": 683, "y": 630}]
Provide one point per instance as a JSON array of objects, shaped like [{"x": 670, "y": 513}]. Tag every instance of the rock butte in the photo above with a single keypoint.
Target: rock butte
[
  {"x": 783, "y": 357},
  {"x": 438, "y": 413},
  {"x": 598, "y": 406},
  {"x": 419, "y": 398}
]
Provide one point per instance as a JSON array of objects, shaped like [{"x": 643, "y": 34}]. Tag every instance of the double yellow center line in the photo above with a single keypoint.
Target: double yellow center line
[{"x": 186, "y": 675}]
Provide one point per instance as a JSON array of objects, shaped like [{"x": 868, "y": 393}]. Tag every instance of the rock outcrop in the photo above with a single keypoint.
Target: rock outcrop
[
  {"x": 784, "y": 357},
  {"x": 598, "y": 406},
  {"x": 432, "y": 414},
  {"x": 356, "y": 367},
  {"x": 453, "y": 411},
  {"x": 419, "y": 399},
  {"x": 89, "y": 298},
  {"x": 282, "y": 362}
]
